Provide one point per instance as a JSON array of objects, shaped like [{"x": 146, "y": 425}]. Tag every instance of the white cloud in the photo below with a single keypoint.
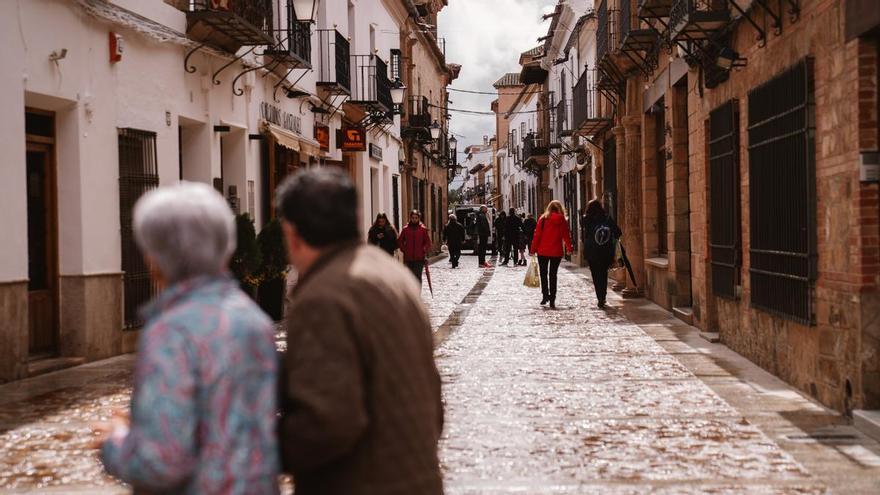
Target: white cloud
[{"x": 486, "y": 37}]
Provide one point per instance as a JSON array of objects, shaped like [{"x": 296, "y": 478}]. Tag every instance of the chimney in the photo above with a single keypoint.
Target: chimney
[{"x": 485, "y": 140}]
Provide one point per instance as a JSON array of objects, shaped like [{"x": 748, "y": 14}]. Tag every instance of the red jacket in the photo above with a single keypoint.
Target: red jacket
[
  {"x": 550, "y": 234},
  {"x": 414, "y": 242}
]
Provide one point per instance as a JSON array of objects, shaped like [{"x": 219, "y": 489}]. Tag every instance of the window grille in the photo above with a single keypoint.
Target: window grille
[
  {"x": 396, "y": 65},
  {"x": 138, "y": 174},
  {"x": 724, "y": 202},
  {"x": 782, "y": 194}
]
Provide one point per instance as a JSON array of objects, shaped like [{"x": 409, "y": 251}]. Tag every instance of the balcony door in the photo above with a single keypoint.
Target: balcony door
[{"x": 42, "y": 239}]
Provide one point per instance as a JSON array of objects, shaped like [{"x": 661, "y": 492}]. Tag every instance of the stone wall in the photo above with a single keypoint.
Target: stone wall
[{"x": 822, "y": 360}]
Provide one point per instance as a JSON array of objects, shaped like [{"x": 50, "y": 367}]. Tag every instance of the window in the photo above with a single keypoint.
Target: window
[
  {"x": 395, "y": 200},
  {"x": 782, "y": 196},
  {"x": 660, "y": 145},
  {"x": 396, "y": 65},
  {"x": 724, "y": 207},
  {"x": 138, "y": 174},
  {"x": 250, "y": 199}
]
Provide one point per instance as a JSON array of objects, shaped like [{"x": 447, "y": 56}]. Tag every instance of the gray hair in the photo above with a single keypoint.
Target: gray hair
[{"x": 187, "y": 229}]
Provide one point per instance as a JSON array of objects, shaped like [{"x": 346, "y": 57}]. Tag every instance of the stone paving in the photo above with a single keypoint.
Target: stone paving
[
  {"x": 573, "y": 401},
  {"x": 579, "y": 400}
]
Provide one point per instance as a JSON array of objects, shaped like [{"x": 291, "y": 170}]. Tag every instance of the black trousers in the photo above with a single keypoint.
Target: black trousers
[
  {"x": 549, "y": 269},
  {"x": 481, "y": 250},
  {"x": 454, "y": 255},
  {"x": 599, "y": 271},
  {"x": 507, "y": 248},
  {"x": 416, "y": 267}
]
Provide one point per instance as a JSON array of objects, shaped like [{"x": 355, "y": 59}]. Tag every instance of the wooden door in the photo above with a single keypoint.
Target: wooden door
[{"x": 42, "y": 251}]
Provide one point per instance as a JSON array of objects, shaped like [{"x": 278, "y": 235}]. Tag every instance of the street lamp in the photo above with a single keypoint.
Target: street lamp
[
  {"x": 304, "y": 10},
  {"x": 435, "y": 130},
  {"x": 397, "y": 92},
  {"x": 453, "y": 143}
]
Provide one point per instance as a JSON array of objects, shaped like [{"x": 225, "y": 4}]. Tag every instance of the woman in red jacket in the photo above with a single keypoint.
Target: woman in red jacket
[
  {"x": 415, "y": 243},
  {"x": 551, "y": 242}
]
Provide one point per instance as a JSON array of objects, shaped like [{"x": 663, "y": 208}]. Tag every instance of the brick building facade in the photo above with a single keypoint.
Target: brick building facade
[{"x": 738, "y": 136}]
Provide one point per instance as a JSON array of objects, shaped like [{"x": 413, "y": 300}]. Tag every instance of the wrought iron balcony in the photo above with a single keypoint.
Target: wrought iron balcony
[
  {"x": 654, "y": 9},
  {"x": 536, "y": 152},
  {"x": 563, "y": 120},
  {"x": 636, "y": 41},
  {"x": 334, "y": 62},
  {"x": 229, "y": 25},
  {"x": 371, "y": 87},
  {"x": 589, "y": 118},
  {"x": 606, "y": 32},
  {"x": 293, "y": 43},
  {"x": 697, "y": 19},
  {"x": 418, "y": 114}
]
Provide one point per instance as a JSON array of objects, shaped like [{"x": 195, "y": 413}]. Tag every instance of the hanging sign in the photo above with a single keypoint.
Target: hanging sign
[
  {"x": 322, "y": 136},
  {"x": 352, "y": 139},
  {"x": 375, "y": 152},
  {"x": 285, "y": 120}
]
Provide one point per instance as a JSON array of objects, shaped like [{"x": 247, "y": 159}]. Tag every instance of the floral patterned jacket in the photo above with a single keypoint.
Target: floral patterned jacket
[{"x": 203, "y": 410}]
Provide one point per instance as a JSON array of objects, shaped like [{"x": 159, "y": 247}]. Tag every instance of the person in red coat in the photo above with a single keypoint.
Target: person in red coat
[
  {"x": 415, "y": 243},
  {"x": 552, "y": 240}
]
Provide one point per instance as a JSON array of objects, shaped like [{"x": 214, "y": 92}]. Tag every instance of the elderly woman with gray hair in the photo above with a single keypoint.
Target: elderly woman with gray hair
[{"x": 203, "y": 409}]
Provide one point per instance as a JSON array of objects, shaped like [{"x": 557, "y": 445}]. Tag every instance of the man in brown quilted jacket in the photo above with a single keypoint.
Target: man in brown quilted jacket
[{"x": 361, "y": 407}]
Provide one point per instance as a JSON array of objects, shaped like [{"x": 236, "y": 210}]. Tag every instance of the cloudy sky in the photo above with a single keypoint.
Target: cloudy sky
[{"x": 486, "y": 38}]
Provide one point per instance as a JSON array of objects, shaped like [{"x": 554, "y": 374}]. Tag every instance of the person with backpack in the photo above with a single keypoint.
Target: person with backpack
[
  {"x": 453, "y": 234},
  {"x": 551, "y": 241},
  {"x": 601, "y": 235}
]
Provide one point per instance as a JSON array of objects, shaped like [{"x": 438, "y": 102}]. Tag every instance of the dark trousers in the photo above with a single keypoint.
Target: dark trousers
[
  {"x": 549, "y": 268},
  {"x": 454, "y": 255},
  {"x": 481, "y": 250},
  {"x": 599, "y": 271},
  {"x": 416, "y": 267},
  {"x": 507, "y": 248}
]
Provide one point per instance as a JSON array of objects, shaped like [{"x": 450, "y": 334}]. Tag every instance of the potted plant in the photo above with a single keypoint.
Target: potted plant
[
  {"x": 273, "y": 269},
  {"x": 245, "y": 260}
]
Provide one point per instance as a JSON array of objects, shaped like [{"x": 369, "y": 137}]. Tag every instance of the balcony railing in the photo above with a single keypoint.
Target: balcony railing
[
  {"x": 636, "y": 41},
  {"x": 606, "y": 32},
  {"x": 654, "y": 9},
  {"x": 293, "y": 43},
  {"x": 697, "y": 19},
  {"x": 229, "y": 25},
  {"x": 371, "y": 87},
  {"x": 334, "y": 62},
  {"x": 535, "y": 150},
  {"x": 418, "y": 113},
  {"x": 588, "y": 116}
]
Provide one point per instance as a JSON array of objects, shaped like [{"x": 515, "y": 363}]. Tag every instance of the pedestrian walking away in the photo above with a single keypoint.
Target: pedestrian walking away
[
  {"x": 454, "y": 235},
  {"x": 383, "y": 234},
  {"x": 601, "y": 235},
  {"x": 523, "y": 242},
  {"x": 361, "y": 409},
  {"x": 552, "y": 240},
  {"x": 483, "y": 231},
  {"x": 415, "y": 243},
  {"x": 512, "y": 233},
  {"x": 529, "y": 226},
  {"x": 203, "y": 410},
  {"x": 500, "y": 226}
]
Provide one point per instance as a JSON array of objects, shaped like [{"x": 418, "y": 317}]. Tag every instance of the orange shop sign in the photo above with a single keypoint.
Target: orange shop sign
[
  {"x": 352, "y": 139},
  {"x": 322, "y": 136}
]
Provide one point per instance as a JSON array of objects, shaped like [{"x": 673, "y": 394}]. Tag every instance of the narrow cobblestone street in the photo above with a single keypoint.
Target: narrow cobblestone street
[{"x": 571, "y": 401}]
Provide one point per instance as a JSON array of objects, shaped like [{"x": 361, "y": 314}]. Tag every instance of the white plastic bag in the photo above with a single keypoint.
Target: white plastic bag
[{"x": 533, "y": 275}]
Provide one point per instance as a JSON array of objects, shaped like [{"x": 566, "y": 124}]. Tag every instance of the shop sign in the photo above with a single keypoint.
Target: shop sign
[
  {"x": 322, "y": 136},
  {"x": 375, "y": 152},
  {"x": 352, "y": 139},
  {"x": 285, "y": 120}
]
